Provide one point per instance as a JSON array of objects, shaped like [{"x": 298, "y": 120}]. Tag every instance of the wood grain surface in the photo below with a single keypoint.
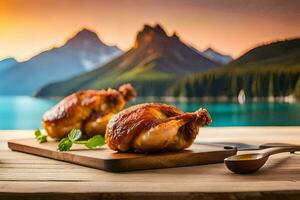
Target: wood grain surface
[{"x": 24, "y": 176}]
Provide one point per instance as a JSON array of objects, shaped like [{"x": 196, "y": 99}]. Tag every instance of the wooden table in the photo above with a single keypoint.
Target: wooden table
[{"x": 25, "y": 176}]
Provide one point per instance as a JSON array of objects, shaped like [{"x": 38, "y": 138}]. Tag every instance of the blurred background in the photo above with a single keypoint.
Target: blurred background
[{"x": 240, "y": 60}]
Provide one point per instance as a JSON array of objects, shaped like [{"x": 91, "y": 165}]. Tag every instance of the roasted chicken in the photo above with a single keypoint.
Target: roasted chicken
[
  {"x": 88, "y": 110},
  {"x": 153, "y": 127}
]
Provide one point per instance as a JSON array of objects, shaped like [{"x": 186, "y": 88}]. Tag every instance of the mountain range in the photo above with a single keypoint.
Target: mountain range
[
  {"x": 269, "y": 70},
  {"x": 158, "y": 64},
  {"x": 155, "y": 58},
  {"x": 81, "y": 53}
]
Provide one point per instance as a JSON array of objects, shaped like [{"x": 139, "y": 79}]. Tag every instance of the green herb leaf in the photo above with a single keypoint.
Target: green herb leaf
[
  {"x": 39, "y": 137},
  {"x": 73, "y": 137},
  {"x": 95, "y": 141},
  {"x": 65, "y": 144},
  {"x": 74, "y": 134},
  {"x": 37, "y": 133},
  {"x": 42, "y": 138}
]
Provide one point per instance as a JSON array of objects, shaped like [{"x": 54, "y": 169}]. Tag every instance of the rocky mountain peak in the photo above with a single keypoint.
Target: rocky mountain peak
[
  {"x": 209, "y": 49},
  {"x": 175, "y": 36},
  {"x": 150, "y": 34},
  {"x": 83, "y": 36},
  {"x": 216, "y": 56}
]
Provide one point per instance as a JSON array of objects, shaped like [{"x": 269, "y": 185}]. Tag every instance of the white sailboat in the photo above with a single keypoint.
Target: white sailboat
[{"x": 241, "y": 97}]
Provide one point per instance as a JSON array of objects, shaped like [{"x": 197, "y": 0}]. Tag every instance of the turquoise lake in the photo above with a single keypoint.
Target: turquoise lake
[{"x": 26, "y": 112}]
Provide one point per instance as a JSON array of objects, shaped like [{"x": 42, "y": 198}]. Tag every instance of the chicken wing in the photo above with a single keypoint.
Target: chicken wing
[
  {"x": 154, "y": 127},
  {"x": 88, "y": 110}
]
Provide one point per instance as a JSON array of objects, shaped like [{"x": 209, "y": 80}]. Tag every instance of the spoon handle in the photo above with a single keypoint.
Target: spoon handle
[
  {"x": 269, "y": 145},
  {"x": 275, "y": 150}
]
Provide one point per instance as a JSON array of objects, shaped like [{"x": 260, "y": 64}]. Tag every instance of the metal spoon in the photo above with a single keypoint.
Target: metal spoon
[{"x": 249, "y": 163}]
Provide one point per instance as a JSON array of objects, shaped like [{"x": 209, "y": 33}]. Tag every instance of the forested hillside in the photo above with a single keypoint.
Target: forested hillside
[
  {"x": 268, "y": 70},
  {"x": 255, "y": 83}
]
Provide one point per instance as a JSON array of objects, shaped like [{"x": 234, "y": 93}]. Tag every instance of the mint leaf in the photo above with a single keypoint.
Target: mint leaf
[
  {"x": 65, "y": 144},
  {"x": 39, "y": 137},
  {"x": 74, "y": 134},
  {"x": 95, "y": 141},
  {"x": 37, "y": 133}
]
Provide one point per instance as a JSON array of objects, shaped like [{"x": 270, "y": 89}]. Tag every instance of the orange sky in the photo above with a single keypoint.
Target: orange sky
[{"x": 232, "y": 26}]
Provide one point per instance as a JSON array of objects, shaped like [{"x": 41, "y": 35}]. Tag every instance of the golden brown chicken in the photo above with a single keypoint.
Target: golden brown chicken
[
  {"x": 154, "y": 127},
  {"x": 88, "y": 110}
]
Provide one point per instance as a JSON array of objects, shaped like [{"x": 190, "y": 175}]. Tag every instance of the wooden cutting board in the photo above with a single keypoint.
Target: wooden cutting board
[{"x": 108, "y": 160}]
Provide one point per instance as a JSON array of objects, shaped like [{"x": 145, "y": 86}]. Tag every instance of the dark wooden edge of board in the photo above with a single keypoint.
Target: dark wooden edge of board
[{"x": 129, "y": 164}]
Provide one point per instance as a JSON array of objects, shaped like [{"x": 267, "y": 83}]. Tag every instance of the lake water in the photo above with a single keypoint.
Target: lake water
[{"x": 26, "y": 113}]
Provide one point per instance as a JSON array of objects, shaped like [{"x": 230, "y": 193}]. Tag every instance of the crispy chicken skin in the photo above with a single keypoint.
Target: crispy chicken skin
[
  {"x": 153, "y": 127},
  {"x": 88, "y": 110}
]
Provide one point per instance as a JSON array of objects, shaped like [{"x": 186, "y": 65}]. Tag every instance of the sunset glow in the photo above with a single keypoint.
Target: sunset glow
[{"x": 29, "y": 26}]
